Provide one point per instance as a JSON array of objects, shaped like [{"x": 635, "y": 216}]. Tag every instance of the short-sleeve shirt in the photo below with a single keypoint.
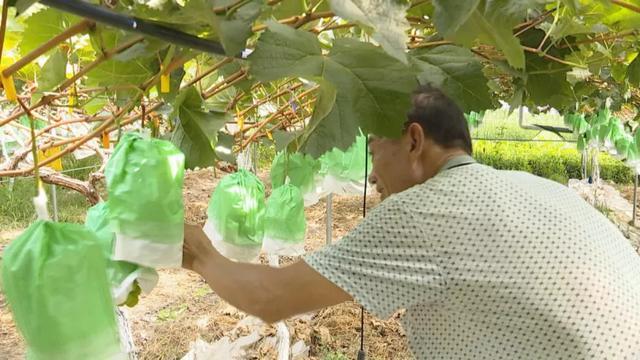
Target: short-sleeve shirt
[{"x": 493, "y": 264}]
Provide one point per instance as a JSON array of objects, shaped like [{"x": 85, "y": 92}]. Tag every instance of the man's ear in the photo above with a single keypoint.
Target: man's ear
[{"x": 415, "y": 135}]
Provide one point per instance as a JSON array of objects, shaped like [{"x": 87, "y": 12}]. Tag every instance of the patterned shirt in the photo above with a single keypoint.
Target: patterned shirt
[{"x": 493, "y": 264}]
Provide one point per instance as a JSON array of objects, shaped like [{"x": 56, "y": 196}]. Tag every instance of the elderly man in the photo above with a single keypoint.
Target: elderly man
[{"x": 488, "y": 264}]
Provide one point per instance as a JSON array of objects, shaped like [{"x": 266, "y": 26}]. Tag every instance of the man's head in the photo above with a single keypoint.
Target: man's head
[{"x": 435, "y": 131}]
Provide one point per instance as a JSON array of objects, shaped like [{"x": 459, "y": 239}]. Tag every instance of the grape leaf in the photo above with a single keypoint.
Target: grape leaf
[
  {"x": 387, "y": 18},
  {"x": 53, "y": 71},
  {"x": 112, "y": 72},
  {"x": 283, "y": 51},
  {"x": 94, "y": 105},
  {"x": 283, "y": 138},
  {"x": 451, "y": 15},
  {"x": 234, "y": 30},
  {"x": 457, "y": 72},
  {"x": 128, "y": 75},
  {"x": 288, "y": 8},
  {"x": 224, "y": 148},
  {"x": 373, "y": 89},
  {"x": 546, "y": 82},
  {"x": 491, "y": 21},
  {"x": 197, "y": 131},
  {"x": 44, "y": 25}
]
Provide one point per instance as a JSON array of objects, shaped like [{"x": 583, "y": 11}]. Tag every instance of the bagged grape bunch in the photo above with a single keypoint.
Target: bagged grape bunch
[
  {"x": 297, "y": 169},
  {"x": 54, "y": 278},
  {"x": 144, "y": 182},
  {"x": 127, "y": 280},
  {"x": 235, "y": 216},
  {"x": 284, "y": 222},
  {"x": 343, "y": 171}
]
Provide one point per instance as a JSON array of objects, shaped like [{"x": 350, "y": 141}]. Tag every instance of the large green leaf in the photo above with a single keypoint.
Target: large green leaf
[
  {"x": 197, "y": 131},
  {"x": 387, "y": 18},
  {"x": 44, "y": 25},
  {"x": 633, "y": 72},
  {"x": 457, "y": 72},
  {"x": 546, "y": 82},
  {"x": 288, "y": 8},
  {"x": 113, "y": 72},
  {"x": 490, "y": 21},
  {"x": 451, "y": 15},
  {"x": 53, "y": 71},
  {"x": 234, "y": 29},
  {"x": 372, "y": 88},
  {"x": 283, "y": 51},
  {"x": 124, "y": 77}
]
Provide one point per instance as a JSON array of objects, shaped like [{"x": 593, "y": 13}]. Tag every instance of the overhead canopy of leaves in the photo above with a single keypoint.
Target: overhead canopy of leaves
[
  {"x": 355, "y": 61},
  {"x": 491, "y": 21},
  {"x": 372, "y": 88},
  {"x": 386, "y": 18}
]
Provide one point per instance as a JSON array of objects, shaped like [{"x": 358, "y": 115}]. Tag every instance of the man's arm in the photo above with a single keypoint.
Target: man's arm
[{"x": 272, "y": 294}]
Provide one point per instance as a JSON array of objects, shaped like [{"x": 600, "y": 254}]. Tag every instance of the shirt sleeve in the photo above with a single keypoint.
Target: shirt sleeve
[{"x": 385, "y": 263}]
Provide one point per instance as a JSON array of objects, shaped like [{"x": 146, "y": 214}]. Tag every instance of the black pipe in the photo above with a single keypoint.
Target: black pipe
[{"x": 132, "y": 23}]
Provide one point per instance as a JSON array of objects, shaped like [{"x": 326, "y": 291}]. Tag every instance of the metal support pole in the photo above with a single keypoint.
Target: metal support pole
[
  {"x": 329, "y": 224},
  {"x": 635, "y": 198},
  {"x": 254, "y": 161},
  {"x": 54, "y": 201}
]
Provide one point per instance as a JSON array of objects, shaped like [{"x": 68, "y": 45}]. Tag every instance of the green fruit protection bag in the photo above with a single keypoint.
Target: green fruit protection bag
[
  {"x": 296, "y": 169},
  {"x": 284, "y": 222},
  {"x": 123, "y": 276},
  {"x": 343, "y": 171},
  {"x": 235, "y": 223},
  {"x": 54, "y": 280},
  {"x": 144, "y": 181}
]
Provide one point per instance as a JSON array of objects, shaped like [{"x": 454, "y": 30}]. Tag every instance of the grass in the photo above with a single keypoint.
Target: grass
[
  {"x": 500, "y": 124},
  {"x": 16, "y": 206}
]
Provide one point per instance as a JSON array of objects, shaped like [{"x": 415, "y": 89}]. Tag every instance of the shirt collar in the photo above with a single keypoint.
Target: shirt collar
[{"x": 457, "y": 161}]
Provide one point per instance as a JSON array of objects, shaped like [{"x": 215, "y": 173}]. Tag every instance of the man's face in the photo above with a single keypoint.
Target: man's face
[{"x": 393, "y": 170}]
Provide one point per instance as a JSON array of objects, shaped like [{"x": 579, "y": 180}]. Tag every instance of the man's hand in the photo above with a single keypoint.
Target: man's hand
[{"x": 197, "y": 248}]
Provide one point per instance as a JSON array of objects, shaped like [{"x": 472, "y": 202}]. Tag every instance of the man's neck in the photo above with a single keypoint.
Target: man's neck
[{"x": 434, "y": 162}]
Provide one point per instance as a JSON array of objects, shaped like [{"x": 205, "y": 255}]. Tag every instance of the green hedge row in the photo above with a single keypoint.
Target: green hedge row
[{"x": 555, "y": 161}]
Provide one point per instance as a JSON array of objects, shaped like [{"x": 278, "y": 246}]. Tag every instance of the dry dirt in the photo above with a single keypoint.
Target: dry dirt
[{"x": 182, "y": 307}]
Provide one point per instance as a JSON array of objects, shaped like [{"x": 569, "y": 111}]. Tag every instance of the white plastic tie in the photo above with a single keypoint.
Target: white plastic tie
[{"x": 40, "y": 204}]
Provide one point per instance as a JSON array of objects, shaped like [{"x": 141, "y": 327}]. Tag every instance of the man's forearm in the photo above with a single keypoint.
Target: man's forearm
[{"x": 249, "y": 287}]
